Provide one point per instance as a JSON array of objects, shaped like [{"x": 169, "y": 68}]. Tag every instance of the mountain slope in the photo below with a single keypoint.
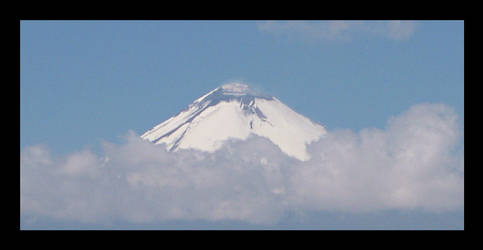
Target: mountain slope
[{"x": 235, "y": 111}]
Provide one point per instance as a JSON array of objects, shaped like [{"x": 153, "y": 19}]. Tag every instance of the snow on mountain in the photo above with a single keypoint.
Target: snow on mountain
[{"x": 235, "y": 111}]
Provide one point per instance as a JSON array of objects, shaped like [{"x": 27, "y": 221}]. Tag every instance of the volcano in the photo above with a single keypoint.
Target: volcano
[{"x": 235, "y": 111}]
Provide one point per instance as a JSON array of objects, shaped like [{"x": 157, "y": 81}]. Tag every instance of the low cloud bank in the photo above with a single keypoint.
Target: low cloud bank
[{"x": 410, "y": 165}]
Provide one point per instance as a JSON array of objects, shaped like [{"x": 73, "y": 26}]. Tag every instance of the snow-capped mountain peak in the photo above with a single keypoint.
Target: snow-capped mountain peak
[{"x": 234, "y": 111}]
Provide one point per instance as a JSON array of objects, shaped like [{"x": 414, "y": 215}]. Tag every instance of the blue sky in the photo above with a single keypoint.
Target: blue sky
[
  {"x": 86, "y": 80},
  {"x": 83, "y": 82}
]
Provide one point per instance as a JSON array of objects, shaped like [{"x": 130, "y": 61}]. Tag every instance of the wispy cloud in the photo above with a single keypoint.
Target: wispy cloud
[
  {"x": 408, "y": 165},
  {"x": 340, "y": 30}
]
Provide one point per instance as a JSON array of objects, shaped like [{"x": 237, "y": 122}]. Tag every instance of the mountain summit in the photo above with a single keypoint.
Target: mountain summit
[{"x": 234, "y": 111}]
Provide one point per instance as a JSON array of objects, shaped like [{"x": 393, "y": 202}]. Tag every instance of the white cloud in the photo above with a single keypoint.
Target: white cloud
[
  {"x": 399, "y": 30},
  {"x": 339, "y": 30},
  {"x": 408, "y": 165}
]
